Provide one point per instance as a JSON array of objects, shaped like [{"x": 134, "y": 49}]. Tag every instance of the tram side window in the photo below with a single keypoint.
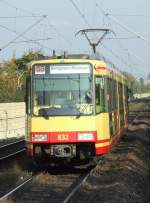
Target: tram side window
[
  {"x": 126, "y": 95},
  {"x": 115, "y": 98},
  {"x": 109, "y": 94},
  {"x": 28, "y": 95},
  {"x": 112, "y": 94},
  {"x": 100, "y": 94},
  {"x": 120, "y": 96}
]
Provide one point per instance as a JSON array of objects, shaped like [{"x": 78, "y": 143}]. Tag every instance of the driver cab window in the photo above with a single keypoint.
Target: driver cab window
[{"x": 100, "y": 94}]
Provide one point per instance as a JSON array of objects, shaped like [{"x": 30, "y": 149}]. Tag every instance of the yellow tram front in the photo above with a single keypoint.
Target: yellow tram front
[{"x": 61, "y": 107}]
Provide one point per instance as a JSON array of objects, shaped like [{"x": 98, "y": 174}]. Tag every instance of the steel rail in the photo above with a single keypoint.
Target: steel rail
[
  {"x": 66, "y": 199},
  {"x": 12, "y": 143},
  {"x": 77, "y": 187},
  {"x": 15, "y": 189},
  {"x": 5, "y": 157}
]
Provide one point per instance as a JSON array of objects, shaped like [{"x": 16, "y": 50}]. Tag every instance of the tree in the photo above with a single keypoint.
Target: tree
[
  {"x": 8, "y": 81},
  {"x": 133, "y": 83},
  {"x": 28, "y": 57},
  {"x": 142, "y": 84},
  {"x": 12, "y": 76}
]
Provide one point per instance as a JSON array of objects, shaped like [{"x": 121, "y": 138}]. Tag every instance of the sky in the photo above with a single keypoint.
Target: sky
[{"x": 49, "y": 25}]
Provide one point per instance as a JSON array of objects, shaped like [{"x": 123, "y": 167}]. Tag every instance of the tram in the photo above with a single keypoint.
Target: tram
[{"x": 77, "y": 107}]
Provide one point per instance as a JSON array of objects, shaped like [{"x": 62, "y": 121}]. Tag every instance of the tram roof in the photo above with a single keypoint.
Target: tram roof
[{"x": 107, "y": 67}]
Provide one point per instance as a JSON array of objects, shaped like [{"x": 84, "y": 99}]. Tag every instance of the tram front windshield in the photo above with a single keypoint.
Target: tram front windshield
[{"x": 62, "y": 94}]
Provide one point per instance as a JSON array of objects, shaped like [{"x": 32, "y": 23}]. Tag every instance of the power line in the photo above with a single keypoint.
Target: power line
[
  {"x": 121, "y": 25},
  {"x": 139, "y": 65},
  {"x": 118, "y": 57},
  {"x": 31, "y": 14},
  {"x": 14, "y": 7},
  {"x": 32, "y": 40},
  {"x": 120, "y": 44},
  {"x": 130, "y": 15},
  {"x": 80, "y": 13},
  {"x": 114, "y": 54},
  {"x": 9, "y": 17},
  {"x": 82, "y": 16},
  {"x": 58, "y": 33},
  {"x": 126, "y": 28},
  {"x": 21, "y": 34},
  {"x": 133, "y": 54},
  {"x": 122, "y": 38},
  {"x": 6, "y": 28},
  {"x": 85, "y": 20}
]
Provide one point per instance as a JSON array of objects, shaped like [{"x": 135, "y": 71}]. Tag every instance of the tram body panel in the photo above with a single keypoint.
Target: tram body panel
[{"x": 60, "y": 119}]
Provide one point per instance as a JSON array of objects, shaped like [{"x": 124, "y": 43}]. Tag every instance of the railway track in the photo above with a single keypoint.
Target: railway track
[
  {"x": 53, "y": 185},
  {"x": 11, "y": 149},
  {"x": 137, "y": 114},
  {"x": 132, "y": 115}
]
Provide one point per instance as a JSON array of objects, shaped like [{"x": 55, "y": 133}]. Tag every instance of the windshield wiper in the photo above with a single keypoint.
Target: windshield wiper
[
  {"x": 59, "y": 112},
  {"x": 43, "y": 112}
]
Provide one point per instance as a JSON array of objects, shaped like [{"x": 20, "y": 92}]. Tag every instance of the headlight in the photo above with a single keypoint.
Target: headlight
[
  {"x": 85, "y": 136},
  {"x": 40, "y": 137}
]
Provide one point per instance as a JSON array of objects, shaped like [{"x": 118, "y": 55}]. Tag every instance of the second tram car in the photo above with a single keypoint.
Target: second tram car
[{"x": 76, "y": 107}]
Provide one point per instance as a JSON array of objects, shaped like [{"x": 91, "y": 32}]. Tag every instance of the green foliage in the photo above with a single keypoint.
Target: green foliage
[
  {"x": 12, "y": 77},
  {"x": 8, "y": 81},
  {"x": 133, "y": 83},
  {"x": 26, "y": 58},
  {"x": 137, "y": 86},
  {"x": 147, "y": 88}
]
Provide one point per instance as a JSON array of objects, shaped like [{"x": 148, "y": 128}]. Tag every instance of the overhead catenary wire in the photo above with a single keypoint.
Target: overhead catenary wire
[
  {"x": 130, "y": 15},
  {"x": 122, "y": 38},
  {"x": 127, "y": 29},
  {"x": 118, "y": 57},
  {"x": 80, "y": 13},
  {"x": 21, "y": 34},
  {"x": 58, "y": 32},
  {"x": 122, "y": 48},
  {"x": 20, "y": 16},
  {"x": 133, "y": 54},
  {"x": 86, "y": 21},
  {"x": 31, "y": 40},
  {"x": 139, "y": 59},
  {"x": 129, "y": 52},
  {"x": 123, "y": 26},
  {"x": 136, "y": 35},
  {"x": 34, "y": 16},
  {"x": 27, "y": 39},
  {"x": 114, "y": 54},
  {"x": 14, "y": 7},
  {"x": 30, "y": 14}
]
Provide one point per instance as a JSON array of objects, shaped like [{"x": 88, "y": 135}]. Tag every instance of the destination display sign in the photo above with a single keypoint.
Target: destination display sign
[{"x": 69, "y": 69}]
